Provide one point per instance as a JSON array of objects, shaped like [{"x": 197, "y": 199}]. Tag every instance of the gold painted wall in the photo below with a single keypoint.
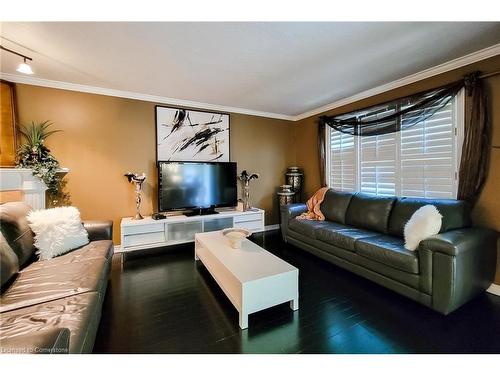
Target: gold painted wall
[
  {"x": 103, "y": 137},
  {"x": 487, "y": 211}
]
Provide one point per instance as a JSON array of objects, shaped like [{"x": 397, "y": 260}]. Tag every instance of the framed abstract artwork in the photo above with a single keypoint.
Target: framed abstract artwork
[{"x": 187, "y": 135}]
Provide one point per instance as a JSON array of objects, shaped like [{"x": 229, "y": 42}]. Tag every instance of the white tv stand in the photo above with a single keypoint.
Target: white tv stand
[{"x": 177, "y": 229}]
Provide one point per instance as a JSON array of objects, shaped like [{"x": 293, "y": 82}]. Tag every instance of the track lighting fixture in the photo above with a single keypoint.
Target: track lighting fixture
[{"x": 23, "y": 67}]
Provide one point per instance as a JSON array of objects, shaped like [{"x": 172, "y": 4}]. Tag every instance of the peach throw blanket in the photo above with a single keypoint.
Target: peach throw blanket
[{"x": 313, "y": 206}]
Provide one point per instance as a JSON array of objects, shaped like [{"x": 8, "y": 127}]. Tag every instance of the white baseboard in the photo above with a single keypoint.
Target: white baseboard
[
  {"x": 271, "y": 227},
  {"x": 494, "y": 289}
]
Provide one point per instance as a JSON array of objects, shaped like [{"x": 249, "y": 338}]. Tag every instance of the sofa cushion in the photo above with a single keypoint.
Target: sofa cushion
[
  {"x": 8, "y": 260},
  {"x": 389, "y": 251},
  {"x": 305, "y": 227},
  {"x": 15, "y": 228},
  {"x": 93, "y": 250},
  {"x": 344, "y": 238},
  {"x": 49, "y": 341},
  {"x": 43, "y": 284},
  {"x": 335, "y": 204},
  {"x": 456, "y": 213},
  {"x": 369, "y": 212},
  {"x": 78, "y": 313}
]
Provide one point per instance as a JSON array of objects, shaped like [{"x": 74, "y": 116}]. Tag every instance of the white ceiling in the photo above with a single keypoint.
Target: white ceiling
[{"x": 282, "y": 68}]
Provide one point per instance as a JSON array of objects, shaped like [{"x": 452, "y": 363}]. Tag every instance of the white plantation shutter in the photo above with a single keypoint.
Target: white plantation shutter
[
  {"x": 378, "y": 164},
  {"x": 421, "y": 161},
  {"x": 378, "y": 161},
  {"x": 428, "y": 156},
  {"x": 343, "y": 160}
]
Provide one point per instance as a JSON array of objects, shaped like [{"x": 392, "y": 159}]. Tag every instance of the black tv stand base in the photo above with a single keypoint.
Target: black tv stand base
[{"x": 201, "y": 212}]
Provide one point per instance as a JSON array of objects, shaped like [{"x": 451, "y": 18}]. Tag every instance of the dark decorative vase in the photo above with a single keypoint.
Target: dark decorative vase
[
  {"x": 285, "y": 195},
  {"x": 295, "y": 178}
]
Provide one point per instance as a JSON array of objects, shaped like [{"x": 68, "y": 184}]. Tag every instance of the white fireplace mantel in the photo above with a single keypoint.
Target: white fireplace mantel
[{"x": 22, "y": 179}]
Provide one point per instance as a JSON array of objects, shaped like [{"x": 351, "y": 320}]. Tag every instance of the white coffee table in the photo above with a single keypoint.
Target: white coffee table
[{"x": 252, "y": 278}]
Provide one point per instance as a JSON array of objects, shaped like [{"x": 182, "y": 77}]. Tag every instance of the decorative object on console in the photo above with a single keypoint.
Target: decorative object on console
[
  {"x": 186, "y": 135},
  {"x": 425, "y": 222},
  {"x": 286, "y": 195},
  {"x": 57, "y": 231},
  {"x": 236, "y": 236},
  {"x": 138, "y": 181},
  {"x": 33, "y": 154},
  {"x": 295, "y": 178},
  {"x": 245, "y": 178}
]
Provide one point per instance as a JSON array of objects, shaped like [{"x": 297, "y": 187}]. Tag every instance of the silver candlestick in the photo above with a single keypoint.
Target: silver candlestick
[{"x": 138, "y": 180}]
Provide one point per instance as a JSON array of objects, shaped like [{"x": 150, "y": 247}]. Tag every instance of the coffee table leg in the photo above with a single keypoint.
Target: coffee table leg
[
  {"x": 294, "y": 304},
  {"x": 243, "y": 321}
]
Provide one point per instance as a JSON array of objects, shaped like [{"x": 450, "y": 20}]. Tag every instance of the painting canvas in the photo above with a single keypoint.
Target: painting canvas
[{"x": 186, "y": 135}]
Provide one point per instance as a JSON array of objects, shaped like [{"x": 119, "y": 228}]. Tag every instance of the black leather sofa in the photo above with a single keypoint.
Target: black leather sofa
[
  {"x": 364, "y": 234},
  {"x": 50, "y": 306}
]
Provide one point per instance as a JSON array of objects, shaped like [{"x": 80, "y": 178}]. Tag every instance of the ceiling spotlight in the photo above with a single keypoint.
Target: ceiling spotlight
[{"x": 24, "y": 66}]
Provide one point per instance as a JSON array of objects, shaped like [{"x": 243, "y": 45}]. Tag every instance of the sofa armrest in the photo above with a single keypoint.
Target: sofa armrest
[
  {"x": 288, "y": 212},
  {"x": 50, "y": 341},
  {"x": 99, "y": 230},
  {"x": 292, "y": 210},
  {"x": 458, "y": 265},
  {"x": 458, "y": 241}
]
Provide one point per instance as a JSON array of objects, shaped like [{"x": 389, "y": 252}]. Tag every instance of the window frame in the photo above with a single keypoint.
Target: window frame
[{"x": 458, "y": 122}]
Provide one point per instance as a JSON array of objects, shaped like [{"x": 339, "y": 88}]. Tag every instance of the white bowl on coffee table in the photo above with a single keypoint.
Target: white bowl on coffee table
[{"x": 236, "y": 236}]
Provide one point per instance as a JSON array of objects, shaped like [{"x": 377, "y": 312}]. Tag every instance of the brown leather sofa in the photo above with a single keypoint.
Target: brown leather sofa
[{"x": 51, "y": 306}]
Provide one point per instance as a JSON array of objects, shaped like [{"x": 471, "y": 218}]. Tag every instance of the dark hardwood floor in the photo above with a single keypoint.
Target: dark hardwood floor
[{"x": 165, "y": 303}]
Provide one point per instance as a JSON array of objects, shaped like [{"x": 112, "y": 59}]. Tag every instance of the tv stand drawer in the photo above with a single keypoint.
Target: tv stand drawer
[
  {"x": 143, "y": 239},
  {"x": 147, "y": 228},
  {"x": 248, "y": 217}
]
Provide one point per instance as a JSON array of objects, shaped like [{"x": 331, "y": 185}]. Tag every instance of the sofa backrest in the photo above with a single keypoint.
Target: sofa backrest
[
  {"x": 14, "y": 227},
  {"x": 335, "y": 204},
  {"x": 370, "y": 212},
  {"x": 456, "y": 213},
  {"x": 8, "y": 262}
]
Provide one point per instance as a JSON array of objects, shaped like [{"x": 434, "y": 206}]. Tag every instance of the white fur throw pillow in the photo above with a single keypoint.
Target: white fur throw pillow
[
  {"x": 57, "y": 231},
  {"x": 425, "y": 222}
]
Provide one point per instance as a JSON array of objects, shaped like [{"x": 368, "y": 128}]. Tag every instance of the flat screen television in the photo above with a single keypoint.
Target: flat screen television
[{"x": 196, "y": 185}]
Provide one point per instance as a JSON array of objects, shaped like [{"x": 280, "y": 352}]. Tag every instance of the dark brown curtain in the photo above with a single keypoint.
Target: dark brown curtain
[
  {"x": 474, "y": 161},
  {"x": 322, "y": 153},
  {"x": 475, "y": 156}
]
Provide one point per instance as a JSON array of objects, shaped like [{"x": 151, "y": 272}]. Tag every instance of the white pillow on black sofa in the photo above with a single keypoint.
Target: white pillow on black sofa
[
  {"x": 425, "y": 222},
  {"x": 57, "y": 231}
]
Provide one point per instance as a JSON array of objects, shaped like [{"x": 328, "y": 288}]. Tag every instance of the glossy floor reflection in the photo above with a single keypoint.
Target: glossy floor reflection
[{"x": 162, "y": 302}]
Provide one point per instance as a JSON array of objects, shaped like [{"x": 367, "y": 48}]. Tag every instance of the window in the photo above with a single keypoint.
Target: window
[{"x": 420, "y": 161}]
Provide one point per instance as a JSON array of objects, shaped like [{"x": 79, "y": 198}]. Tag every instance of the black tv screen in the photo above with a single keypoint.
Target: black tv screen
[{"x": 187, "y": 185}]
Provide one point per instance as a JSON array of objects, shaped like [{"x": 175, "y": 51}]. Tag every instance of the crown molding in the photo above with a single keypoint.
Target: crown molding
[
  {"x": 35, "y": 81},
  {"x": 471, "y": 58}
]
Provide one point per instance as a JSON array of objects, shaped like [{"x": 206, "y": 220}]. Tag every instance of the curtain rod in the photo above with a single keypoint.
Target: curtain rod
[{"x": 489, "y": 74}]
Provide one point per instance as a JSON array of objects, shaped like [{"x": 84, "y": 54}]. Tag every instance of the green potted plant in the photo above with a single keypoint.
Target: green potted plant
[{"x": 33, "y": 154}]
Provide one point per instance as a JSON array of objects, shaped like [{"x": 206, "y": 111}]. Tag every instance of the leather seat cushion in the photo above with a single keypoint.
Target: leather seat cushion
[
  {"x": 93, "y": 250},
  {"x": 50, "y": 341},
  {"x": 14, "y": 226},
  {"x": 369, "y": 212},
  {"x": 335, "y": 204},
  {"x": 344, "y": 238},
  {"x": 306, "y": 227},
  {"x": 38, "y": 285},
  {"x": 389, "y": 251},
  {"x": 77, "y": 313},
  {"x": 456, "y": 213}
]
